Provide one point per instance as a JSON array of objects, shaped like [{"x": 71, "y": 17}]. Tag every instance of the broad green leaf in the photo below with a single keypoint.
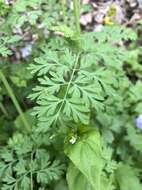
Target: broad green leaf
[
  {"x": 86, "y": 155},
  {"x": 76, "y": 180}
]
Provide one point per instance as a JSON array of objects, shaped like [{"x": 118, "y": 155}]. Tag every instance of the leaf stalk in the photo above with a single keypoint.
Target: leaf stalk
[
  {"x": 76, "y": 6},
  {"x": 14, "y": 100}
]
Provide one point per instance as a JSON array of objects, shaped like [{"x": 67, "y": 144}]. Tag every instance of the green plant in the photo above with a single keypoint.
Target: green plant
[
  {"x": 82, "y": 126},
  {"x": 29, "y": 160}
]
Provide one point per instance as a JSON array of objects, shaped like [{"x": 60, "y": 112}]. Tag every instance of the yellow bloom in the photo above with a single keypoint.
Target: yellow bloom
[
  {"x": 108, "y": 21},
  {"x": 112, "y": 11}
]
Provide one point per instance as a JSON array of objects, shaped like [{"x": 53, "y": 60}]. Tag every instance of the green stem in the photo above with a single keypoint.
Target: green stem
[
  {"x": 31, "y": 170},
  {"x": 3, "y": 109},
  {"x": 76, "y": 5},
  {"x": 64, "y": 11},
  {"x": 15, "y": 102}
]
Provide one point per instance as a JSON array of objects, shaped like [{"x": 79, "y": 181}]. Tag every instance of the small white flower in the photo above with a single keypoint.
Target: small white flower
[{"x": 73, "y": 140}]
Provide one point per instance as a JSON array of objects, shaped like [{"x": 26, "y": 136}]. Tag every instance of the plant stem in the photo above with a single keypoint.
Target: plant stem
[
  {"x": 64, "y": 11},
  {"x": 76, "y": 5},
  {"x": 31, "y": 170},
  {"x": 3, "y": 110},
  {"x": 15, "y": 102}
]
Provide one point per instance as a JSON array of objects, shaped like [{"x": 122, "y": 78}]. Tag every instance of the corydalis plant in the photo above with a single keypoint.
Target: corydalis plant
[{"x": 76, "y": 75}]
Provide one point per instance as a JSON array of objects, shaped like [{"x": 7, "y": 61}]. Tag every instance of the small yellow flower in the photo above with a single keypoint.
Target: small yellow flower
[
  {"x": 112, "y": 11},
  {"x": 108, "y": 21}
]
